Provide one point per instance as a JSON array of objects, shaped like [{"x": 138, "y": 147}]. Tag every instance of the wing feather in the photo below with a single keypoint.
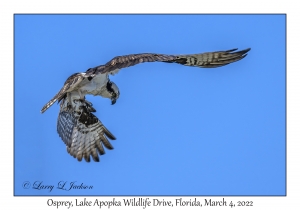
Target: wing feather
[
  {"x": 106, "y": 142},
  {"x": 65, "y": 126},
  {"x": 211, "y": 59},
  {"x": 100, "y": 148},
  {"x": 204, "y": 60},
  {"x": 83, "y": 132}
]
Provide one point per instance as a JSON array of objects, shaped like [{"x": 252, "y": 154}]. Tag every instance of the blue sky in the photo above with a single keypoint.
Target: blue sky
[{"x": 180, "y": 130}]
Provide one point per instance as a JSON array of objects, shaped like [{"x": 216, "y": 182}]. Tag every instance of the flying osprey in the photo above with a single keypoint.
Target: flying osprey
[{"x": 80, "y": 129}]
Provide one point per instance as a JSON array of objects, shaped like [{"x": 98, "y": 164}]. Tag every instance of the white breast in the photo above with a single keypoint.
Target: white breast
[{"x": 114, "y": 71}]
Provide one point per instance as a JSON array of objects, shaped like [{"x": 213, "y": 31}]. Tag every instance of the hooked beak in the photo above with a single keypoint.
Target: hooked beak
[{"x": 113, "y": 101}]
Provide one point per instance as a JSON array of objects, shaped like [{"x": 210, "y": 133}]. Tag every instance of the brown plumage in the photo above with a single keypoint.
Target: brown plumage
[
  {"x": 80, "y": 129},
  {"x": 204, "y": 60}
]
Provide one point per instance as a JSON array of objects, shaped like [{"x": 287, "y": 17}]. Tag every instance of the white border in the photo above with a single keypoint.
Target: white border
[{"x": 8, "y": 8}]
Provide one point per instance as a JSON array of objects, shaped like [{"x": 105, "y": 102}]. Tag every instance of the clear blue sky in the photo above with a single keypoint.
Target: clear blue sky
[{"x": 180, "y": 130}]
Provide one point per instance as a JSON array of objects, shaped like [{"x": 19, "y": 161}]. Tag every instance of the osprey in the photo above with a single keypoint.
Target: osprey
[{"x": 82, "y": 132}]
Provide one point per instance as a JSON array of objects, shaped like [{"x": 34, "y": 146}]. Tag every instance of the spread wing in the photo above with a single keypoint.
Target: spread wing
[
  {"x": 82, "y": 131},
  {"x": 70, "y": 84},
  {"x": 205, "y": 60}
]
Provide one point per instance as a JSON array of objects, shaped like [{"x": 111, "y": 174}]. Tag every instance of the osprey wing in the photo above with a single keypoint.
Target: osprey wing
[
  {"x": 70, "y": 84},
  {"x": 205, "y": 60},
  {"x": 83, "y": 132}
]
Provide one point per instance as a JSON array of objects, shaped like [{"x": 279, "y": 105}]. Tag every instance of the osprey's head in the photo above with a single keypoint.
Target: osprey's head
[{"x": 113, "y": 91}]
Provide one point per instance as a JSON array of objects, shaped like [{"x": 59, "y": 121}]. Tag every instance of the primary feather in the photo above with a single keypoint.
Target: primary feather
[{"x": 82, "y": 132}]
